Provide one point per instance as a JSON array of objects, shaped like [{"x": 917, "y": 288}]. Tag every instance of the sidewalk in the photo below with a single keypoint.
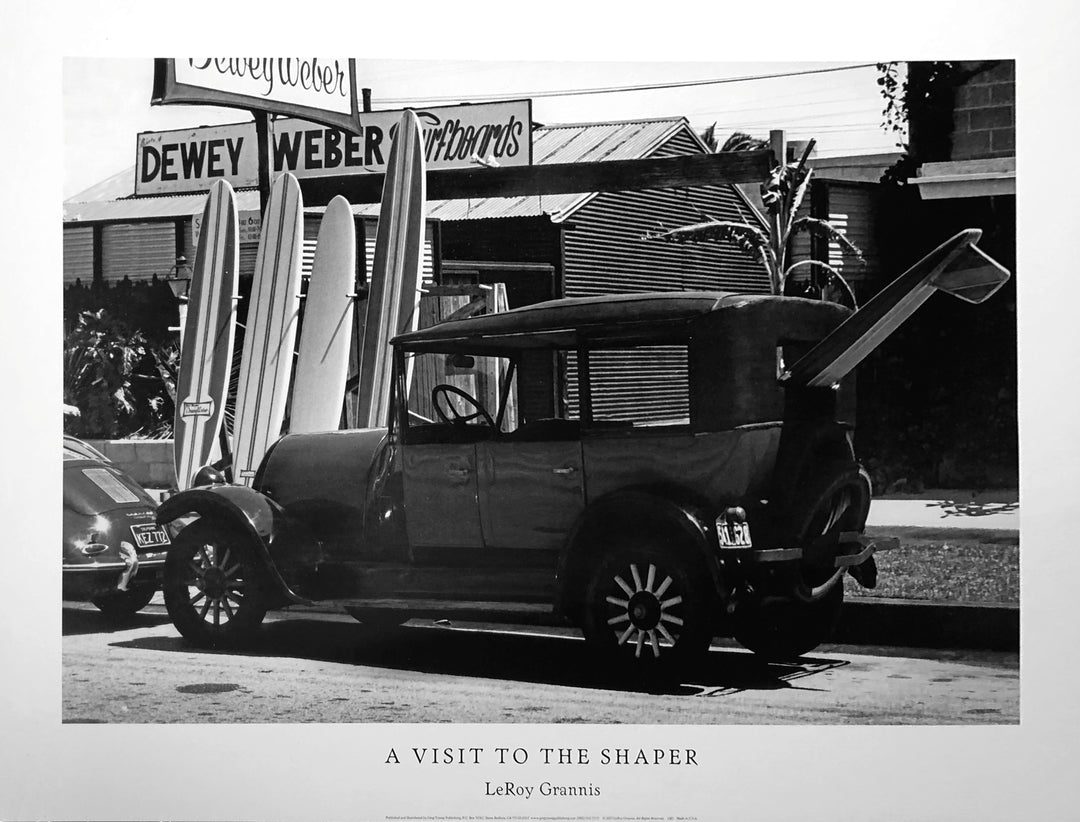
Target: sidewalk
[{"x": 997, "y": 510}]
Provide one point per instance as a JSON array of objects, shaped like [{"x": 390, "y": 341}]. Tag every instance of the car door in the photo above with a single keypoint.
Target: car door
[
  {"x": 530, "y": 493},
  {"x": 441, "y": 495}
]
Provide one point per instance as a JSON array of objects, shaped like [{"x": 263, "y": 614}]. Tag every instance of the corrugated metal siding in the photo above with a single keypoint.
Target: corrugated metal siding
[
  {"x": 138, "y": 250},
  {"x": 148, "y": 208},
  {"x": 646, "y": 384},
  {"x": 581, "y": 143},
  {"x": 79, "y": 255},
  {"x": 427, "y": 269},
  {"x": 189, "y": 242},
  {"x": 249, "y": 253},
  {"x": 597, "y": 142},
  {"x": 605, "y": 254},
  {"x": 312, "y": 223},
  {"x": 852, "y": 209}
]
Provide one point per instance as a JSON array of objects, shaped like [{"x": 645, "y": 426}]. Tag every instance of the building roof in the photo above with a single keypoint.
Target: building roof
[{"x": 113, "y": 199}]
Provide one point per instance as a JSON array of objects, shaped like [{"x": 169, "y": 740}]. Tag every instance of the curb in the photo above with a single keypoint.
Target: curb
[{"x": 906, "y": 623}]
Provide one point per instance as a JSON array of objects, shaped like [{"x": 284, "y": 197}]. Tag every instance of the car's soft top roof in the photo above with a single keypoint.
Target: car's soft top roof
[{"x": 611, "y": 319}]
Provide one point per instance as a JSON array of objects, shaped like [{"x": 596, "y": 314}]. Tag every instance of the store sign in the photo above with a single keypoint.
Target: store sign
[
  {"x": 321, "y": 89},
  {"x": 176, "y": 162},
  {"x": 168, "y": 162},
  {"x": 249, "y": 222}
]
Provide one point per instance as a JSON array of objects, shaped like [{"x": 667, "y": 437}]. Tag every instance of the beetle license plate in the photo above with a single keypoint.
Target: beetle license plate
[
  {"x": 149, "y": 536},
  {"x": 733, "y": 534}
]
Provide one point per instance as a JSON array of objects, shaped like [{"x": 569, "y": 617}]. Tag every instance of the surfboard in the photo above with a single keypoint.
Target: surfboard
[
  {"x": 323, "y": 362},
  {"x": 270, "y": 333},
  {"x": 209, "y": 333},
  {"x": 394, "y": 285},
  {"x": 957, "y": 267}
]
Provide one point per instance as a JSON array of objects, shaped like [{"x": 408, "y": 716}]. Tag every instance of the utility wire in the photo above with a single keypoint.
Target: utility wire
[{"x": 483, "y": 98}]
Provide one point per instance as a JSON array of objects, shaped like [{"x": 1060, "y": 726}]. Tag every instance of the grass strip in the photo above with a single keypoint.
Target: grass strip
[{"x": 946, "y": 565}]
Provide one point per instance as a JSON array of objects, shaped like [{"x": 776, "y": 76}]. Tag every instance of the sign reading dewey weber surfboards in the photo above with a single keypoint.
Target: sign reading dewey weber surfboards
[
  {"x": 323, "y": 363},
  {"x": 270, "y": 333},
  {"x": 208, "y": 336},
  {"x": 186, "y": 160},
  {"x": 394, "y": 288}
]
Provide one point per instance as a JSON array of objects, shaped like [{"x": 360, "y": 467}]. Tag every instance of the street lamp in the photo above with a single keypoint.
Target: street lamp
[{"x": 179, "y": 280}]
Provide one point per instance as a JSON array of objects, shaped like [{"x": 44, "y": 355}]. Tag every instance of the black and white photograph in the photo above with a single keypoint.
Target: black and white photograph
[{"x": 454, "y": 435}]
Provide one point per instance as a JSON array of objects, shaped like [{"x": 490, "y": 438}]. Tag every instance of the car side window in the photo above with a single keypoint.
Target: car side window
[{"x": 633, "y": 387}]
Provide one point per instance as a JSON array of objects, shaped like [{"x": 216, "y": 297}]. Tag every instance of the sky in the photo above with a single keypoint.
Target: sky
[{"x": 106, "y": 101}]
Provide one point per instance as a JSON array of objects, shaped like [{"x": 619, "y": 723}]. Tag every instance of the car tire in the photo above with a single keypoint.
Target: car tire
[
  {"x": 124, "y": 604},
  {"x": 213, "y": 586},
  {"x": 784, "y": 629},
  {"x": 648, "y": 611},
  {"x": 786, "y": 626}
]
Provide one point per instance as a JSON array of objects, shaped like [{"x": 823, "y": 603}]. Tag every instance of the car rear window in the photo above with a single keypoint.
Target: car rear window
[{"x": 94, "y": 490}]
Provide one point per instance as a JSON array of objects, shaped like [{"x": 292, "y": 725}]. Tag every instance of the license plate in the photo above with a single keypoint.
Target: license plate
[
  {"x": 733, "y": 534},
  {"x": 149, "y": 536}
]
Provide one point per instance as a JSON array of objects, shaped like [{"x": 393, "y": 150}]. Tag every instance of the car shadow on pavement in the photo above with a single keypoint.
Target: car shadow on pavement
[
  {"x": 86, "y": 619},
  {"x": 539, "y": 659}
]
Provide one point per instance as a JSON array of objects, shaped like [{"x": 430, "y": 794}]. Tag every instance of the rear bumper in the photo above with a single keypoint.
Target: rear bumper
[
  {"x": 90, "y": 579},
  {"x": 855, "y": 549}
]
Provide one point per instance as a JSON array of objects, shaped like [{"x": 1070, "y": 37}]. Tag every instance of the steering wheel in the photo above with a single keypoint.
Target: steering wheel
[{"x": 444, "y": 391}]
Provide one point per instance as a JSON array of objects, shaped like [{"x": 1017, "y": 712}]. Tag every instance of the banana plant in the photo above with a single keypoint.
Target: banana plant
[{"x": 782, "y": 193}]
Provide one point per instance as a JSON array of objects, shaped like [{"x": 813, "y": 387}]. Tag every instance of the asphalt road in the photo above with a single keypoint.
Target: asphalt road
[{"x": 328, "y": 668}]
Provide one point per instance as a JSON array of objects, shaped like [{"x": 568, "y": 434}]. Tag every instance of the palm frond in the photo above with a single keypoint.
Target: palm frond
[
  {"x": 823, "y": 228},
  {"x": 740, "y": 233}
]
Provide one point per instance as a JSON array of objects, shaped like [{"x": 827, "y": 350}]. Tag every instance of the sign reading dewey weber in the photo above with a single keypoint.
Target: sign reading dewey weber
[
  {"x": 175, "y": 162},
  {"x": 322, "y": 89}
]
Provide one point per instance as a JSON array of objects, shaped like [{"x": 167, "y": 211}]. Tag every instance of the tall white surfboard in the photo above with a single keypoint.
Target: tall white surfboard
[
  {"x": 209, "y": 334},
  {"x": 323, "y": 362},
  {"x": 394, "y": 286},
  {"x": 270, "y": 334}
]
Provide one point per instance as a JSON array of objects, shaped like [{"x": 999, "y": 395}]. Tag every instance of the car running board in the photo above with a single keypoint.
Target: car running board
[
  {"x": 956, "y": 267},
  {"x": 524, "y": 613}
]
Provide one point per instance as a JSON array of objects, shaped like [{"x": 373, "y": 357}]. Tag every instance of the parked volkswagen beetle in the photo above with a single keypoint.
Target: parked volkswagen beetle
[
  {"x": 532, "y": 466},
  {"x": 114, "y": 551}
]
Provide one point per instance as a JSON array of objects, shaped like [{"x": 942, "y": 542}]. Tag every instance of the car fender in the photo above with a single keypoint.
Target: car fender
[
  {"x": 630, "y": 510},
  {"x": 266, "y": 525},
  {"x": 805, "y": 448}
]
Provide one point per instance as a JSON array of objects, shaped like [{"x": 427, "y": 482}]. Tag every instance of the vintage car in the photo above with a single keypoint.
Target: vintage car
[
  {"x": 734, "y": 509},
  {"x": 114, "y": 551}
]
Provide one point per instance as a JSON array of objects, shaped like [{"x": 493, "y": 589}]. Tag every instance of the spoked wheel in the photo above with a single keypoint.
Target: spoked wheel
[
  {"x": 212, "y": 587},
  {"x": 648, "y": 611},
  {"x": 795, "y": 621}
]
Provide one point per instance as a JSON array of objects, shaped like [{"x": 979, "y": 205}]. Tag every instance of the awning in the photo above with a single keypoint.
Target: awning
[{"x": 966, "y": 178}]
